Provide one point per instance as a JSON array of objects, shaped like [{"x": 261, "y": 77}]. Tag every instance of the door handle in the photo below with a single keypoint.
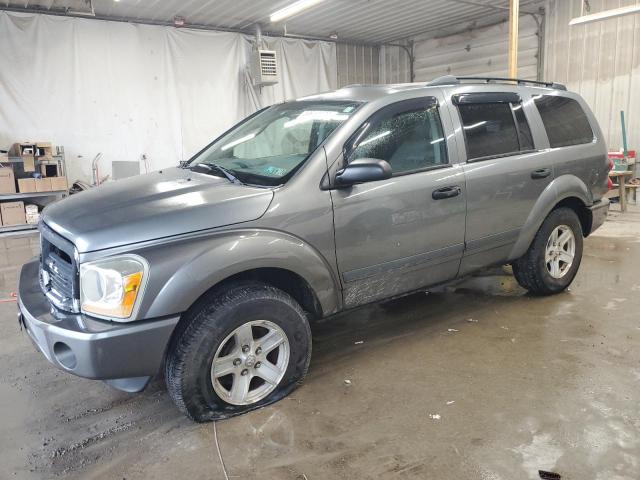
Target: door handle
[
  {"x": 542, "y": 173},
  {"x": 446, "y": 192}
]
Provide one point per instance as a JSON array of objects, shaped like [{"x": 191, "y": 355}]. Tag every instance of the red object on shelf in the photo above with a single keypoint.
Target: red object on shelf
[{"x": 620, "y": 155}]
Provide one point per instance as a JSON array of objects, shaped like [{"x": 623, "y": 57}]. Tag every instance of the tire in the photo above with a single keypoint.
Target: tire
[
  {"x": 212, "y": 329},
  {"x": 533, "y": 272}
]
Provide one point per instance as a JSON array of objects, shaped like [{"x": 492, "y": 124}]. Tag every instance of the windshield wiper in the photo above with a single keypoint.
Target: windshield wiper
[{"x": 212, "y": 167}]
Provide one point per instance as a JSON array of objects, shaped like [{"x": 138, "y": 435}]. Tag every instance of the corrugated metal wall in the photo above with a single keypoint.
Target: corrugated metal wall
[
  {"x": 481, "y": 52},
  {"x": 601, "y": 61},
  {"x": 357, "y": 64},
  {"x": 394, "y": 65}
]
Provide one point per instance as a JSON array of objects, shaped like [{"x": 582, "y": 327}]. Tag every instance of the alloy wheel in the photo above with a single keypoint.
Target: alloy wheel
[
  {"x": 250, "y": 362},
  {"x": 560, "y": 251}
]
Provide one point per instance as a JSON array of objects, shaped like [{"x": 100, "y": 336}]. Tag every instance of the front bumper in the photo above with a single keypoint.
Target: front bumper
[
  {"x": 599, "y": 212},
  {"x": 126, "y": 355}
]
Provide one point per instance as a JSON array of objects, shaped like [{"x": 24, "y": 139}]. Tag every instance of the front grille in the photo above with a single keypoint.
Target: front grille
[{"x": 58, "y": 273}]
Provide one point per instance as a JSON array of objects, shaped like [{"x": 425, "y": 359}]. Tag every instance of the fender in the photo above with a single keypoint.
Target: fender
[
  {"x": 564, "y": 186},
  {"x": 207, "y": 261}
]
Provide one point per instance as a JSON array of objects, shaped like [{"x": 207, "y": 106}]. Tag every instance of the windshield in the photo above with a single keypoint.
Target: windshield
[{"x": 268, "y": 148}]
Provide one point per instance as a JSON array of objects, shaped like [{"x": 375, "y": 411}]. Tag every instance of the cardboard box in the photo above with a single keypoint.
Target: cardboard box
[
  {"x": 44, "y": 149},
  {"x": 43, "y": 184},
  {"x": 29, "y": 163},
  {"x": 26, "y": 185},
  {"x": 7, "y": 180},
  {"x": 33, "y": 218},
  {"x": 49, "y": 168},
  {"x": 13, "y": 213},
  {"x": 21, "y": 149},
  {"x": 32, "y": 214},
  {"x": 59, "y": 184},
  {"x": 30, "y": 209}
]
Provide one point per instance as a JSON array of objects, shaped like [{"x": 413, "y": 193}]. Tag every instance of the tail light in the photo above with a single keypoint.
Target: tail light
[{"x": 609, "y": 182}]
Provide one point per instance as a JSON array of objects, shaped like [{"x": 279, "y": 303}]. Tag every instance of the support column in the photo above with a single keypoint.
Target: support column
[{"x": 514, "y": 14}]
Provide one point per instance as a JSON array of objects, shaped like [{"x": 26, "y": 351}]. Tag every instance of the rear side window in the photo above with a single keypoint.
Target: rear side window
[
  {"x": 564, "y": 120},
  {"x": 494, "y": 129},
  {"x": 406, "y": 134}
]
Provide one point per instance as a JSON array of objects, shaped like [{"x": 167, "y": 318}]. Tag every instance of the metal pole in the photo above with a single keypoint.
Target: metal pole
[
  {"x": 514, "y": 12},
  {"x": 624, "y": 134}
]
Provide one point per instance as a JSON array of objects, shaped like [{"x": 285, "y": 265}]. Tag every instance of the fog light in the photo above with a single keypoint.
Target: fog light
[{"x": 64, "y": 355}]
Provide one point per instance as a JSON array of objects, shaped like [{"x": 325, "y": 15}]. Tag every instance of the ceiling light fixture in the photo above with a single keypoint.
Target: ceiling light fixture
[
  {"x": 596, "y": 17},
  {"x": 292, "y": 9}
]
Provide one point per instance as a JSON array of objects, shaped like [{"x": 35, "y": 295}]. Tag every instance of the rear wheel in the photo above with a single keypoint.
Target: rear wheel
[
  {"x": 553, "y": 259},
  {"x": 246, "y": 346}
]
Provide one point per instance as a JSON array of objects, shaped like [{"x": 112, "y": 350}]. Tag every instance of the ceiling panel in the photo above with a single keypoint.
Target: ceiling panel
[{"x": 367, "y": 21}]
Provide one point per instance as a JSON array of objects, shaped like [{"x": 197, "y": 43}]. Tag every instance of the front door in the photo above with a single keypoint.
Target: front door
[{"x": 397, "y": 235}]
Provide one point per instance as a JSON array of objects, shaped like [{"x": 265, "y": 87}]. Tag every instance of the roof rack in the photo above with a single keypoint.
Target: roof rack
[{"x": 452, "y": 80}]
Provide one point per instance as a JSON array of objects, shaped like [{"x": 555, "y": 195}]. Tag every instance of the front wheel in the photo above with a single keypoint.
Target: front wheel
[
  {"x": 247, "y": 346},
  {"x": 553, "y": 259}
]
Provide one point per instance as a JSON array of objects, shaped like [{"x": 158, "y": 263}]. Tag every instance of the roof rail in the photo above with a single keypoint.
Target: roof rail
[{"x": 452, "y": 80}]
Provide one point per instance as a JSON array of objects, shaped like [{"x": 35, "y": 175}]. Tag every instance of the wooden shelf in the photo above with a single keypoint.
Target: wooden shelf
[
  {"x": 14, "y": 196},
  {"x": 37, "y": 159},
  {"x": 17, "y": 228},
  {"x": 53, "y": 195}
]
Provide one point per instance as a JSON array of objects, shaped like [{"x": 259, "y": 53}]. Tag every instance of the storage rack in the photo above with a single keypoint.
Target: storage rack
[{"x": 57, "y": 195}]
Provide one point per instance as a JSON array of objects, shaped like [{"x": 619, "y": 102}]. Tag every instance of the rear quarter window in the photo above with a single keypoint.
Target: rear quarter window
[{"x": 564, "y": 121}]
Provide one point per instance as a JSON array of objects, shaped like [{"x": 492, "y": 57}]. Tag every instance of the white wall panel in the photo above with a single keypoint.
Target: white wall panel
[
  {"x": 394, "y": 65},
  {"x": 600, "y": 60},
  {"x": 478, "y": 52},
  {"x": 357, "y": 64}
]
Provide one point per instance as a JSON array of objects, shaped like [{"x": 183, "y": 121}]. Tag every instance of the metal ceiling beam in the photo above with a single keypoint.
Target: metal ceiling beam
[
  {"x": 162, "y": 23},
  {"x": 501, "y": 8}
]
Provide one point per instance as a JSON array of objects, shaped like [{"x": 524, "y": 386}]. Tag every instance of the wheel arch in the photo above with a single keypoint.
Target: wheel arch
[
  {"x": 281, "y": 278},
  {"x": 583, "y": 213},
  {"x": 565, "y": 191},
  {"x": 275, "y": 258}
]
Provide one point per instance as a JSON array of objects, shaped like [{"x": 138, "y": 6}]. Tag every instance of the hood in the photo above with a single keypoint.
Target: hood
[{"x": 151, "y": 206}]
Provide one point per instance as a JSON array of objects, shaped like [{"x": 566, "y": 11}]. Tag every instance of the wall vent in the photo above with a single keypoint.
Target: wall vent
[{"x": 265, "y": 68}]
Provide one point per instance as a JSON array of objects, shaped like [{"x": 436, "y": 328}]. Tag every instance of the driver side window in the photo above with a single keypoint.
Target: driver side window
[{"x": 407, "y": 134}]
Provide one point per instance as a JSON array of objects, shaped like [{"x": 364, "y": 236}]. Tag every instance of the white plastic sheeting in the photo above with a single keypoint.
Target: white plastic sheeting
[{"x": 127, "y": 89}]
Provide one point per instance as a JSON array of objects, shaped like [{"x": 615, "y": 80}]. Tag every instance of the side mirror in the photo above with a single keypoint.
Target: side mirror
[{"x": 363, "y": 170}]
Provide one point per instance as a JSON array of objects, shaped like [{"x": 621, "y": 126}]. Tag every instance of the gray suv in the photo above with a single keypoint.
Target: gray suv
[{"x": 212, "y": 271}]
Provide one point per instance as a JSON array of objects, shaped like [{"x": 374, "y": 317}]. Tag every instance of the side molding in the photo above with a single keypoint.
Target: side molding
[{"x": 564, "y": 186}]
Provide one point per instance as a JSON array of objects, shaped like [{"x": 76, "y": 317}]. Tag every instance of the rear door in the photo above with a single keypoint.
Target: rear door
[
  {"x": 397, "y": 235},
  {"x": 505, "y": 172}
]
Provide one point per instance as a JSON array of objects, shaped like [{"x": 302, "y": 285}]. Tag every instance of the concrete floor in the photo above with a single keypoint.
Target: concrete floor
[{"x": 483, "y": 382}]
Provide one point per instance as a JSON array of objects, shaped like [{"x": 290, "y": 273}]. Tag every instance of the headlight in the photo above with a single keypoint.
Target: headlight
[{"x": 109, "y": 288}]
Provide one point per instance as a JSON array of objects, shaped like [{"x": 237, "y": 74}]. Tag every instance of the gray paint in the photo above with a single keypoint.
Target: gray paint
[
  {"x": 351, "y": 245},
  {"x": 160, "y": 204},
  {"x": 103, "y": 350}
]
